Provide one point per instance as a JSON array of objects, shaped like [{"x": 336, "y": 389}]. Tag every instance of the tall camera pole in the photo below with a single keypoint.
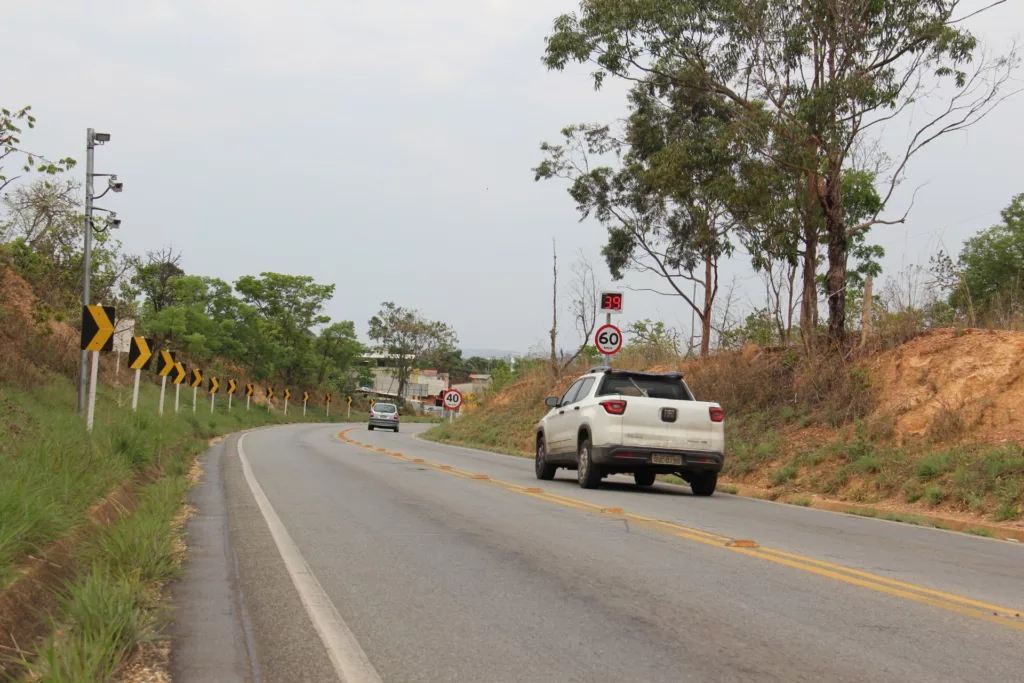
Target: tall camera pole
[{"x": 90, "y": 146}]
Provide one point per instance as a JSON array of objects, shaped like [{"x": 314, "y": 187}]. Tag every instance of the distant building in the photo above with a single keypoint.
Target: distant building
[
  {"x": 420, "y": 385},
  {"x": 475, "y": 385}
]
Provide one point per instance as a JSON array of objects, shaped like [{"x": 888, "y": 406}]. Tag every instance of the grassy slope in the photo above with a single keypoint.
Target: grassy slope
[{"x": 54, "y": 471}]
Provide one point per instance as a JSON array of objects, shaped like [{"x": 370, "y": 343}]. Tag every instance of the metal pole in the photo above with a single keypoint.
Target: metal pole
[
  {"x": 163, "y": 388},
  {"x": 303, "y": 409},
  {"x": 247, "y": 398},
  {"x": 135, "y": 392},
  {"x": 608, "y": 321},
  {"x": 285, "y": 405},
  {"x": 229, "y": 403},
  {"x": 92, "y": 389},
  {"x": 195, "y": 392},
  {"x": 87, "y": 257},
  {"x": 212, "y": 396},
  {"x": 177, "y": 395},
  {"x": 328, "y": 410}
]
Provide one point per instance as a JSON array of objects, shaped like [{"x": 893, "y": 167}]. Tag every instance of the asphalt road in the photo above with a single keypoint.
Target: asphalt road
[{"x": 315, "y": 558}]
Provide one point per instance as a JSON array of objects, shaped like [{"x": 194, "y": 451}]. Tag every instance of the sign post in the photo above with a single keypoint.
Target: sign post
[
  {"x": 452, "y": 401},
  {"x": 305, "y": 399},
  {"x": 97, "y": 335},
  {"x": 349, "y": 408},
  {"x": 179, "y": 377},
  {"x": 164, "y": 365},
  {"x": 611, "y": 303},
  {"x": 214, "y": 387},
  {"x": 232, "y": 386},
  {"x": 248, "y": 395},
  {"x": 140, "y": 355},
  {"x": 270, "y": 395},
  {"x": 287, "y": 395},
  {"x": 197, "y": 381}
]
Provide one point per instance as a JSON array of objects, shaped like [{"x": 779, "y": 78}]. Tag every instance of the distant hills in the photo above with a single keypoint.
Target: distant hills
[{"x": 489, "y": 353}]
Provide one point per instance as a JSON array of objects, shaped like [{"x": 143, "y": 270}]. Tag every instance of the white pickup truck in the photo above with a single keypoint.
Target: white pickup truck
[{"x": 640, "y": 423}]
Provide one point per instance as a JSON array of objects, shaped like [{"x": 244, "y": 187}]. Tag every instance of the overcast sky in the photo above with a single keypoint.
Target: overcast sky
[{"x": 386, "y": 146}]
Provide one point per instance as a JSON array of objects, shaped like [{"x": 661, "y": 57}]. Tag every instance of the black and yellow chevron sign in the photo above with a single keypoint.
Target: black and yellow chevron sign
[
  {"x": 213, "y": 385},
  {"x": 270, "y": 392},
  {"x": 164, "y": 363},
  {"x": 328, "y": 398},
  {"x": 179, "y": 373},
  {"x": 373, "y": 402},
  {"x": 305, "y": 396},
  {"x": 197, "y": 378},
  {"x": 140, "y": 353},
  {"x": 350, "y": 400},
  {"x": 249, "y": 389},
  {"x": 98, "y": 328},
  {"x": 287, "y": 394},
  {"x": 232, "y": 386}
]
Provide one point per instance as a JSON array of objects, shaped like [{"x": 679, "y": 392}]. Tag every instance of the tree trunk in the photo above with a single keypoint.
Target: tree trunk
[
  {"x": 809, "y": 298},
  {"x": 838, "y": 252},
  {"x": 789, "y": 305},
  {"x": 865, "y": 323},
  {"x": 705, "y": 319}
]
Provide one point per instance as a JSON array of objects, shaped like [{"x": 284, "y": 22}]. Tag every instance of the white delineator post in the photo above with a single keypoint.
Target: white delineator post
[
  {"x": 229, "y": 403},
  {"x": 135, "y": 392},
  {"x": 93, "y": 373},
  {"x": 212, "y": 396},
  {"x": 328, "y": 409},
  {"x": 163, "y": 388},
  {"x": 303, "y": 409},
  {"x": 195, "y": 394},
  {"x": 285, "y": 405},
  {"x": 247, "y": 399},
  {"x": 177, "y": 395}
]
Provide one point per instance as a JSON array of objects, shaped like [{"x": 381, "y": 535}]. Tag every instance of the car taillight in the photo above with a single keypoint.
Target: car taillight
[
  {"x": 614, "y": 407},
  {"x": 717, "y": 414}
]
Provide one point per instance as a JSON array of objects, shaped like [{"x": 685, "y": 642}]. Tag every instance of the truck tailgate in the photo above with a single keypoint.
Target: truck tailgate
[{"x": 648, "y": 422}]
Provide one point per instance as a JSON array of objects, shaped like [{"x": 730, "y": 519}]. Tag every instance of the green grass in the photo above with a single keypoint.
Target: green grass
[
  {"x": 54, "y": 470},
  {"x": 784, "y": 474},
  {"x": 727, "y": 489},
  {"x": 803, "y": 501},
  {"x": 978, "y": 531}
]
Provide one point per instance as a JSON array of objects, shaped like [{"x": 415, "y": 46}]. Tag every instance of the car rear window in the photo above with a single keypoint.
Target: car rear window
[
  {"x": 384, "y": 408},
  {"x": 644, "y": 385}
]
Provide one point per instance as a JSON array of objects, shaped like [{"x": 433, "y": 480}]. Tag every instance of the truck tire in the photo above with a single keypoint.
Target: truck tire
[
  {"x": 703, "y": 484},
  {"x": 644, "y": 478},
  {"x": 587, "y": 473},
  {"x": 541, "y": 467},
  {"x": 370, "y": 427}
]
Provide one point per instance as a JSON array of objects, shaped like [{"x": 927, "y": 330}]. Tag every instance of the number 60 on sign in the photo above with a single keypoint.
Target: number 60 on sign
[{"x": 608, "y": 339}]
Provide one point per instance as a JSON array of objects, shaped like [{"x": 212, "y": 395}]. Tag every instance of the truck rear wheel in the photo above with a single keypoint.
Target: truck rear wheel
[
  {"x": 587, "y": 473},
  {"x": 703, "y": 484}
]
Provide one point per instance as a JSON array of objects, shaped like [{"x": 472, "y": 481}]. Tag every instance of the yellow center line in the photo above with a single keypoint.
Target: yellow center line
[{"x": 973, "y": 608}]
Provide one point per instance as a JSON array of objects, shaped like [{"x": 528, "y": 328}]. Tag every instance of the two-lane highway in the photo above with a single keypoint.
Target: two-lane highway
[{"x": 369, "y": 556}]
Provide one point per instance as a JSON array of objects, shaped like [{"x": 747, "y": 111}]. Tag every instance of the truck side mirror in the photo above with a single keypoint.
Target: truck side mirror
[{"x": 551, "y": 401}]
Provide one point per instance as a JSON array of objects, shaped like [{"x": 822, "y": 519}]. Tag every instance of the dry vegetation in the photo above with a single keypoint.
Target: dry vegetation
[{"x": 931, "y": 424}]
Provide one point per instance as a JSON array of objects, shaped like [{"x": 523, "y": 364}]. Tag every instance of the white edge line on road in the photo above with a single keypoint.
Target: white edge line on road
[{"x": 349, "y": 661}]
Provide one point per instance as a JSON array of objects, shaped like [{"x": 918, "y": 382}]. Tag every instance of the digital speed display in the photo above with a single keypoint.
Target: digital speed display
[{"x": 611, "y": 302}]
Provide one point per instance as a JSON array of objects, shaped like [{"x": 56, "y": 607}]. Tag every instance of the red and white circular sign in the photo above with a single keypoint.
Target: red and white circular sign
[
  {"x": 608, "y": 339},
  {"x": 452, "y": 399}
]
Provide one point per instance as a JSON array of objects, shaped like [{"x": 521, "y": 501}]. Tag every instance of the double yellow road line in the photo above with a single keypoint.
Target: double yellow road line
[{"x": 1012, "y": 618}]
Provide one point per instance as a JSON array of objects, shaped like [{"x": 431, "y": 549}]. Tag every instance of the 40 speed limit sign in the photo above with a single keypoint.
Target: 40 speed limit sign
[
  {"x": 453, "y": 399},
  {"x": 608, "y": 339}
]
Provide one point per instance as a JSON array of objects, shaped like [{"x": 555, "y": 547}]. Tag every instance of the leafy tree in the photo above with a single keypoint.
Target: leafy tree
[
  {"x": 813, "y": 78},
  {"x": 11, "y": 129},
  {"x": 337, "y": 349},
  {"x": 991, "y": 264},
  {"x": 408, "y": 339}
]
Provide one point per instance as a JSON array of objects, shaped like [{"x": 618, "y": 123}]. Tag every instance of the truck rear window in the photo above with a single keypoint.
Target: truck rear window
[{"x": 644, "y": 385}]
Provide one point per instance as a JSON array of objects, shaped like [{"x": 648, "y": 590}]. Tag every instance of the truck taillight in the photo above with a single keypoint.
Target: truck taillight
[
  {"x": 717, "y": 414},
  {"x": 614, "y": 407}
]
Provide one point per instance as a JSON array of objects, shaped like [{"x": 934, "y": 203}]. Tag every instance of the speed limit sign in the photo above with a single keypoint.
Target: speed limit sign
[
  {"x": 452, "y": 399},
  {"x": 608, "y": 339}
]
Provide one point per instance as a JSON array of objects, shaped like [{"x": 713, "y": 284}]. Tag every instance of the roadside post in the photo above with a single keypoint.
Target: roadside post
[
  {"x": 610, "y": 304},
  {"x": 197, "y": 381},
  {"x": 232, "y": 387},
  {"x": 305, "y": 399},
  {"x": 270, "y": 395},
  {"x": 140, "y": 355},
  {"x": 328, "y": 406},
  {"x": 97, "y": 335},
  {"x": 180, "y": 374},
  {"x": 213, "y": 386},
  {"x": 287, "y": 395},
  {"x": 349, "y": 408},
  {"x": 164, "y": 365},
  {"x": 452, "y": 401},
  {"x": 248, "y": 395}
]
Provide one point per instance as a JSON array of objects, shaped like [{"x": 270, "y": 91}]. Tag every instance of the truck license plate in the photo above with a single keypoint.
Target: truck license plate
[{"x": 666, "y": 459}]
